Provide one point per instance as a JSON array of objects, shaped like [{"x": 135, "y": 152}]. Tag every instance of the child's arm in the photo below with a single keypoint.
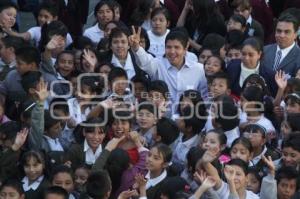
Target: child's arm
[
  {"x": 208, "y": 182},
  {"x": 146, "y": 61},
  {"x": 25, "y": 35},
  {"x": 101, "y": 107},
  {"x": 230, "y": 175},
  {"x": 37, "y": 117},
  {"x": 101, "y": 160},
  {"x": 281, "y": 83},
  {"x": 269, "y": 185},
  {"x": 186, "y": 9}
]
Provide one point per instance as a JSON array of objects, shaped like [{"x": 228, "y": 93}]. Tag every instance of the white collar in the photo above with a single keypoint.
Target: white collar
[
  {"x": 245, "y": 69},
  {"x": 33, "y": 185},
  {"x": 256, "y": 159},
  {"x": 128, "y": 63},
  {"x": 249, "y": 20},
  {"x": 96, "y": 28},
  {"x": 154, "y": 181},
  {"x": 190, "y": 141},
  {"x": 54, "y": 143},
  {"x": 86, "y": 147},
  {"x": 287, "y": 49}
]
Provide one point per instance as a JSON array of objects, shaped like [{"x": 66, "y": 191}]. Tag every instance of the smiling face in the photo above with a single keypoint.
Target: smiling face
[
  {"x": 94, "y": 138},
  {"x": 65, "y": 64},
  {"x": 175, "y": 53},
  {"x": 104, "y": 15},
  {"x": 8, "y": 17},
  {"x": 120, "y": 128},
  {"x": 290, "y": 157},
  {"x": 212, "y": 66},
  {"x": 120, "y": 46},
  {"x": 33, "y": 169},
  {"x": 145, "y": 119}
]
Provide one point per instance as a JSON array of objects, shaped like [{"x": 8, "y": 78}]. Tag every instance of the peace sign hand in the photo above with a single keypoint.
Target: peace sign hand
[{"x": 135, "y": 38}]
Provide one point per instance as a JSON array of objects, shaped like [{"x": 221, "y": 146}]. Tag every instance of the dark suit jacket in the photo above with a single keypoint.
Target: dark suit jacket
[
  {"x": 234, "y": 72},
  {"x": 290, "y": 64},
  {"x": 255, "y": 30}
]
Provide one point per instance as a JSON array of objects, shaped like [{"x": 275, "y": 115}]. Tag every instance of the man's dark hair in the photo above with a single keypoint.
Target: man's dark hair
[
  {"x": 98, "y": 185},
  {"x": 57, "y": 191}
]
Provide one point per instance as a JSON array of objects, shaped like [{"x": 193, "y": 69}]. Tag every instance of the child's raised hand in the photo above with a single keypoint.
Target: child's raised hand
[
  {"x": 229, "y": 172},
  {"x": 199, "y": 176},
  {"x": 269, "y": 162},
  {"x": 113, "y": 143},
  {"x": 281, "y": 79},
  {"x": 20, "y": 139},
  {"x": 188, "y": 5},
  {"x": 55, "y": 42},
  {"x": 134, "y": 136},
  {"x": 135, "y": 38},
  {"x": 209, "y": 155},
  {"x": 41, "y": 93},
  {"x": 91, "y": 59},
  {"x": 140, "y": 181},
  {"x": 209, "y": 182},
  {"x": 128, "y": 194}
]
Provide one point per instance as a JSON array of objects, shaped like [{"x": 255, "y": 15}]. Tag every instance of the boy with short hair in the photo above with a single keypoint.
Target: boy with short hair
[
  {"x": 8, "y": 14},
  {"x": 56, "y": 192},
  {"x": 293, "y": 103},
  {"x": 8, "y": 46},
  {"x": 98, "y": 185}
]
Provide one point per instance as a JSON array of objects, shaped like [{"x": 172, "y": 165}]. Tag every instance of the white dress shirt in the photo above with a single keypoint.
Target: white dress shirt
[
  {"x": 128, "y": 67},
  {"x": 94, "y": 33},
  {"x": 285, "y": 51},
  {"x": 157, "y": 43},
  {"x": 75, "y": 111},
  {"x": 232, "y": 135},
  {"x": 154, "y": 181},
  {"x": 34, "y": 185},
  {"x": 190, "y": 76},
  {"x": 90, "y": 156},
  {"x": 183, "y": 147},
  {"x": 54, "y": 144}
]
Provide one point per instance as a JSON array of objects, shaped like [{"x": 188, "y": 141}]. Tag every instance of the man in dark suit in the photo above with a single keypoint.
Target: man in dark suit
[{"x": 285, "y": 53}]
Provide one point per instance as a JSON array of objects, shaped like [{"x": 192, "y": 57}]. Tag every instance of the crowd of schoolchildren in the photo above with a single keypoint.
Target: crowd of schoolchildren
[{"x": 159, "y": 99}]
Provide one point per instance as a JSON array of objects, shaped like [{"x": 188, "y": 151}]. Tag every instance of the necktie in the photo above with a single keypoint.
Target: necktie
[{"x": 277, "y": 59}]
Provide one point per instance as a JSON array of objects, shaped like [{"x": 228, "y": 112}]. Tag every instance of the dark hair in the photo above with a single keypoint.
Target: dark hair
[
  {"x": 289, "y": 173},
  {"x": 141, "y": 12},
  {"x": 287, "y": 17},
  {"x": 144, "y": 35},
  {"x": 115, "y": 73},
  {"x": 293, "y": 11},
  {"x": 222, "y": 75},
  {"x": 13, "y": 183},
  {"x": 141, "y": 79},
  {"x": 29, "y": 55},
  {"x": 57, "y": 191},
  {"x": 243, "y": 141},
  {"x": 172, "y": 185},
  {"x": 214, "y": 42},
  {"x": 179, "y": 36},
  {"x": 165, "y": 151},
  {"x": 240, "y": 19},
  {"x": 49, "y": 120},
  {"x": 257, "y": 174},
  {"x": 60, "y": 104},
  {"x": 222, "y": 62},
  {"x": 152, "y": 108},
  {"x": 102, "y": 3},
  {"x": 49, "y": 7},
  {"x": 61, "y": 169},
  {"x": 292, "y": 141},
  {"x": 14, "y": 42},
  {"x": 123, "y": 115},
  {"x": 118, "y": 32},
  {"x": 117, "y": 162},
  {"x": 39, "y": 156},
  {"x": 240, "y": 163},
  {"x": 221, "y": 136},
  {"x": 167, "y": 130},
  {"x": 10, "y": 129},
  {"x": 234, "y": 39},
  {"x": 49, "y": 30},
  {"x": 98, "y": 185},
  {"x": 4, "y": 4},
  {"x": 293, "y": 120},
  {"x": 193, "y": 95},
  {"x": 161, "y": 10},
  {"x": 81, "y": 43},
  {"x": 256, "y": 128},
  {"x": 95, "y": 84},
  {"x": 192, "y": 157},
  {"x": 254, "y": 43},
  {"x": 245, "y": 4},
  {"x": 65, "y": 52},
  {"x": 195, "y": 118},
  {"x": 30, "y": 80},
  {"x": 91, "y": 124},
  {"x": 227, "y": 113},
  {"x": 254, "y": 94},
  {"x": 256, "y": 79},
  {"x": 161, "y": 87}
]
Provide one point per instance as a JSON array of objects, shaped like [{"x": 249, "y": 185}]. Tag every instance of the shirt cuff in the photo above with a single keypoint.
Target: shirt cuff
[{"x": 141, "y": 149}]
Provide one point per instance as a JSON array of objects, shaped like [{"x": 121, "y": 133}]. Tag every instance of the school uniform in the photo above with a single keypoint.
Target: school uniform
[
  {"x": 254, "y": 28},
  {"x": 263, "y": 121},
  {"x": 80, "y": 154},
  {"x": 128, "y": 67},
  {"x": 182, "y": 148},
  {"x": 36, "y": 189},
  {"x": 153, "y": 186},
  {"x": 232, "y": 135},
  {"x": 148, "y": 136},
  {"x": 94, "y": 33},
  {"x": 157, "y": 43},
  {"x": 6, "y": 68},
  {"x": 75, "y": 111},
  {"x": 35, "y": 36},
  {"x": 223, "y": 192}
]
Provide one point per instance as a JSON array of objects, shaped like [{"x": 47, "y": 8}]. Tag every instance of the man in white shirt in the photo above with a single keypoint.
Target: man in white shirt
[{"x": 179, "y": 73}]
